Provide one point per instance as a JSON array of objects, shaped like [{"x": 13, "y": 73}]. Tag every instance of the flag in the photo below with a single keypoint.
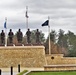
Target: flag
[
  {"x": 46, "y": 23},
  {"x": 26, "y": 15},
  {"x": 5, "y": 25}
]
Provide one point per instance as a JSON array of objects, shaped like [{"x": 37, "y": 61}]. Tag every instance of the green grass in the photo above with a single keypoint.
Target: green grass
[
  {"x": 53, "y": 73},
  {"x": 21, "y": 73}
]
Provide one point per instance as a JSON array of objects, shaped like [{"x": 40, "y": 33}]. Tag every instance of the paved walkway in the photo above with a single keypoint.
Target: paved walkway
[
  {"x": 16, "y": 69},
  {"x": 6, "y": 71}
]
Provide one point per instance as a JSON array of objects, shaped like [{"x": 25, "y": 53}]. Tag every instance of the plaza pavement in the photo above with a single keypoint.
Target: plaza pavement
[
  {"x": 6, "y": 71},
  {"x": 15, "y": 69}
]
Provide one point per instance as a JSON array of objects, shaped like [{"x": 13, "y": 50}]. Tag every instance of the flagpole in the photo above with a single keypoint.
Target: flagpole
[
  {"x": 49, "y": 36},
  {"x": 6, "y": 33},
  {"x": 27, "y": 17}
]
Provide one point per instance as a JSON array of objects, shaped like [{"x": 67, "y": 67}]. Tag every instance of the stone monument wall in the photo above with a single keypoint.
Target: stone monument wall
[
  {"x": 58, "y": 59},
  {"x": 56, "y": 62},
  {"x": 31, "y": 56},
  {"x": 26, "y": 56}
]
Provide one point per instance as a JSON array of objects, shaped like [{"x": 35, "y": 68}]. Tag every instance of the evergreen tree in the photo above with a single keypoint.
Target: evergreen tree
[
  {"x": 53, "y": 36},
  {"x": 71, "y": 44},
  {"x": 52, "y": 40},
  {"x": 60, "y": 38}
]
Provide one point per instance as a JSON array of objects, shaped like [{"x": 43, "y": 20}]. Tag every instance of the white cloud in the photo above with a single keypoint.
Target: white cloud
[{"x": 62, "y": 14}]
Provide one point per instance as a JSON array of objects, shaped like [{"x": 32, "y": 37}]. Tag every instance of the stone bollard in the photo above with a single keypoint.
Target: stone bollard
[
  {"x": 0, "y": 71},
  {"x": 11, "y": 70},
  {"x": 18, "y": 67}
]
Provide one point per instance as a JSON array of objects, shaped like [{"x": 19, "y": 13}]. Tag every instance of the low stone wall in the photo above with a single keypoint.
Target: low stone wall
[
  {"x": 58, "y": 59},
  {"x": 60, "y": 67},
  {"x": 56, "y": 62},
  {"x": 26, "y": 56}
]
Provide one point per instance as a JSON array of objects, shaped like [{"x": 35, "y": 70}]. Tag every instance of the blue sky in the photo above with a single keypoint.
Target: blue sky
[{"x": 62, "y": 14}]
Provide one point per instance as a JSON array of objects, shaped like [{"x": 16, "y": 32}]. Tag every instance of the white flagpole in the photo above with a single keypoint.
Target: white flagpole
[
  {"x": 26, "y": 17},
  {"x": 49, "y": 36},
  {"x": 6, "y": 33}
]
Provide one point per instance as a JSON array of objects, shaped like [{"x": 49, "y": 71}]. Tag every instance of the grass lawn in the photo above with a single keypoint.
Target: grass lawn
[
  {"x": 53, "y": 73},
  {"x": 21, "y": 73}
]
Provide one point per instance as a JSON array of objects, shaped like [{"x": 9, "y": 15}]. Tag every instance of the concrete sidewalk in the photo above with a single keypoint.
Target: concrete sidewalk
[
  {"x": 6, "y": 71},
  {"x": 15, "y": 69}
]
